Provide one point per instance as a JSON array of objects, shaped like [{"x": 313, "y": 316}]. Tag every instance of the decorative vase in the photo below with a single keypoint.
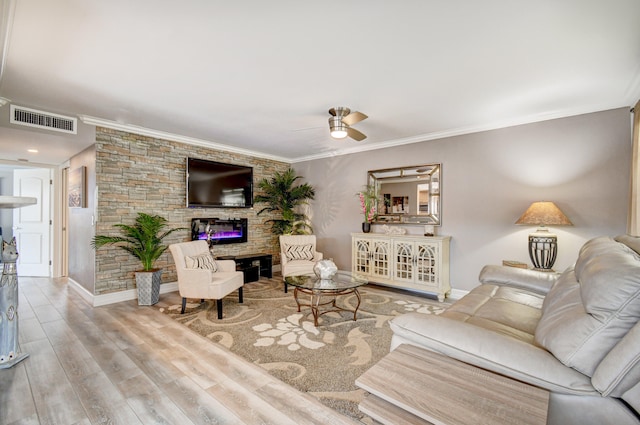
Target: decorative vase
[
  {"x": 366, "y": 227},
  {"x": 148, "y": 284},
  {"x": 9, "y": 349},
  {"x": 325, "y": 269}
]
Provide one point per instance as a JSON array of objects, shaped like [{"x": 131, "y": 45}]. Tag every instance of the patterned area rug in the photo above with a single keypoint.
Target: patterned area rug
[{"x": 325, "y": 361}]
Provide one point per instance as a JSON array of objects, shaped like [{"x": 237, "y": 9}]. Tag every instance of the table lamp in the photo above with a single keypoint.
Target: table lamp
[{"x": 543, "y": 245}]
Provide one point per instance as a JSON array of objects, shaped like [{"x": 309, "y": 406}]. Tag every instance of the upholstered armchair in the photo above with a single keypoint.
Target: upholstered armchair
[
  {"x": 200, "y": 276},
  {"x": 298, "y": 255}
]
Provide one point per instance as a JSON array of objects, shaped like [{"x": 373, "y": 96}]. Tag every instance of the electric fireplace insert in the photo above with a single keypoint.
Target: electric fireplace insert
[{"x": 217, "y": 231}]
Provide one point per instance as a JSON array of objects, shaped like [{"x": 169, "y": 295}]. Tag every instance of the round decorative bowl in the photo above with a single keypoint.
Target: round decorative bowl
[{"x": 325, "y": 269}]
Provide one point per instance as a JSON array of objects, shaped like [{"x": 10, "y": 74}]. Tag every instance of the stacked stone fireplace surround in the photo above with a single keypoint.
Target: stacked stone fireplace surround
[{"x": 137, "y": 173}]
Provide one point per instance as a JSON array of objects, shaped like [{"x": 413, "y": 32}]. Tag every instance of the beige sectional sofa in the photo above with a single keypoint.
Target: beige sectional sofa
[{"x": 575, "y": 334}]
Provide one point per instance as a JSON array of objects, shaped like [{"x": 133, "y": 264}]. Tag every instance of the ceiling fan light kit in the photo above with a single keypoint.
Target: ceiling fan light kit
[
  {"x": 341, "y": 121},
  {"x": 338, "y": 129}
]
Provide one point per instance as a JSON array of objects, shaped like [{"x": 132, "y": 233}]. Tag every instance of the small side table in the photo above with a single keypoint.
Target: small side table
[{"x": 245, "y": 264}]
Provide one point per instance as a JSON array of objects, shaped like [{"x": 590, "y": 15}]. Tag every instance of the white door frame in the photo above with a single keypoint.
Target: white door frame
[
  {"x": 62, "y": 231},
  {"x": 33, "y": 225},
  {"x": 56, "y": 206}
]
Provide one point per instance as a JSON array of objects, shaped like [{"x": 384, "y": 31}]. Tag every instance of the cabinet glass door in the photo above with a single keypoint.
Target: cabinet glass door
[
  {"x": 380, "y": 259},
  {"x": 403, "y": 266},
  {"x": 361, "y": 256},
  {"x": 427, "y": 264}
]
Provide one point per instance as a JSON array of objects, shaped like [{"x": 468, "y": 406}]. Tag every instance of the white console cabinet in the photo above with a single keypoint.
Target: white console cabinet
[{"x": 404, "y": 261}]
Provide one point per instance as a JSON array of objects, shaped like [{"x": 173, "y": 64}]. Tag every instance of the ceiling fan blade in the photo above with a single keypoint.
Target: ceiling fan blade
[
  {"x": 355, "y": 134},
  {"x": 354, "y": 117}
]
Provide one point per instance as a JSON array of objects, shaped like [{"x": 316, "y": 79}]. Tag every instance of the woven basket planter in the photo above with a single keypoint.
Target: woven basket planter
[{"x": 148, "y": 284}]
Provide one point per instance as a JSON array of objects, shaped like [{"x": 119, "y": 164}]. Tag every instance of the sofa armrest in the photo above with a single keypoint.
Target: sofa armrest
[
  {"x": 317, "y": 256},
  {"x": 190, "y": 280},
  {"x": 195, "y": 283},
  {"x": 489, "y": 350},
  {"x": 531, "y": 280}
]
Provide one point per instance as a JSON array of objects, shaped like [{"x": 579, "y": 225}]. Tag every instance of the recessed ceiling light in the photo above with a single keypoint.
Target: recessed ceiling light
[{"x": 32, "y": 150}]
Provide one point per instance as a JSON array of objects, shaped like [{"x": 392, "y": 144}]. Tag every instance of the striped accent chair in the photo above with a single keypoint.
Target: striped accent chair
[{"x": 298, "y": 255}]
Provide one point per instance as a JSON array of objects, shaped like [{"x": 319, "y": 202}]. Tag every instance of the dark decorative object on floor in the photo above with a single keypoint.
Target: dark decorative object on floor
[{"x": 366, "y": 227}]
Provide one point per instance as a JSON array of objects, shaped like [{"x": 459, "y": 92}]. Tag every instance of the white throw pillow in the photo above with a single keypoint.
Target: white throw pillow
[
  {"x": 202, "y": 261},
  {"x": 299, "y": 252}
]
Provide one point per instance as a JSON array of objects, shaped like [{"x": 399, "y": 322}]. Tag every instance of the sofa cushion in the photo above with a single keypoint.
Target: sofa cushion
[
  {"x": 592, "y": 306},
  {"x": 510, "y": 311},
  {"x": 487, "y": 349},
  {"x": 202, "y": 261},
  {"x": 632, "y": 242},
  {"x": 299, "y": 252},
  {"x": 619, "y": 371}
]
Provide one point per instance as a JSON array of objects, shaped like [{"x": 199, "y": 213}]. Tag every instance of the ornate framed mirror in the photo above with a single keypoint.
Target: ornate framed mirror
[{"x": 408, "y": 195}]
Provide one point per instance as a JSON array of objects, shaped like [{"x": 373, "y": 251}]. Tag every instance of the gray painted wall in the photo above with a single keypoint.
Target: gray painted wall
[
  {"x": 82, "y": 257},
  {"x": 581, "y": 163}
]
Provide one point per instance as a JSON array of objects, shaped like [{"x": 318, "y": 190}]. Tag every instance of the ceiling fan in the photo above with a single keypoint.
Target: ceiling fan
[{"x": 341, "y": 121}]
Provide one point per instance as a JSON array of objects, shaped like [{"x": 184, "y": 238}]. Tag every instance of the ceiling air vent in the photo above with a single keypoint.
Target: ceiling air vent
[{"x": 43, "y": 120}]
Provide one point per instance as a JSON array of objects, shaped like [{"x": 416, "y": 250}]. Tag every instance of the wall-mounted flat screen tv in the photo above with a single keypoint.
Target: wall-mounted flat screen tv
[{"x": 217, "y": 185}]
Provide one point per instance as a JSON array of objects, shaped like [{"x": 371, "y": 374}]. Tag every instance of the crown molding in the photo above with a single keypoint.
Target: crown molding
[
  {"x": 143, "y": 131},
  {"x": 99, "y": 122},
  {"x": 460, "y": 131}
]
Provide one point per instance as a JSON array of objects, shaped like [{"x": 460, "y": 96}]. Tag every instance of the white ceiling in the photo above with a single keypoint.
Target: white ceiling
[{"x": 261, "y": 75}]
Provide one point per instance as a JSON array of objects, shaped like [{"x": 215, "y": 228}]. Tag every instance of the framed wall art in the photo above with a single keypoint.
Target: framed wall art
[{"x": 76, "y": 188}]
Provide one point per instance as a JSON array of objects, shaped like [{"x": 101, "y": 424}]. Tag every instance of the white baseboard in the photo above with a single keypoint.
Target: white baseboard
[
  {"x": 81, "y": 290},
  {"x": 132, "y": 294},
  {"x": 116, "y": 297},
  {"x": 456, "y": 294}
]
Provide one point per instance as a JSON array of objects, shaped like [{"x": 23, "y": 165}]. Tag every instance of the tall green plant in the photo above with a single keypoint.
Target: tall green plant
[
  {"x": 143, "y": 240},
  {"x": 281, "y": 196}
]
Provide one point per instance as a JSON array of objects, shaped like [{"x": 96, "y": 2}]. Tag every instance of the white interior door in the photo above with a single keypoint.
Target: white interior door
[{"x": 32, "y": 224}]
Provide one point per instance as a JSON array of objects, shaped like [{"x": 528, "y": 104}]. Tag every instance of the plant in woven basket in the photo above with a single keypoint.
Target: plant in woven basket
[{"x": 143, "y": 240}]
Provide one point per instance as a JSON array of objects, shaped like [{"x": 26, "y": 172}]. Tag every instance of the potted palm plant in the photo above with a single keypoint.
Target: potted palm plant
[
  {"x": 143, "y": 240},
  {"x": 281, "y": 196}
]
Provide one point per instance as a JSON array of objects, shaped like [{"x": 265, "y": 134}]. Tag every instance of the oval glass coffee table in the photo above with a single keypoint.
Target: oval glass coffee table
[{"x": 324, "y": 292}]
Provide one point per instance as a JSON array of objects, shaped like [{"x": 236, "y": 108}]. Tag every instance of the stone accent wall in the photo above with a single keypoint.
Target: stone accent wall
[{"x": 137, "y": 173}]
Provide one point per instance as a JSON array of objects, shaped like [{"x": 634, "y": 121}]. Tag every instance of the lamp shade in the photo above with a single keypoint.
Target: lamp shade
[{"x": 544, "y": 213}]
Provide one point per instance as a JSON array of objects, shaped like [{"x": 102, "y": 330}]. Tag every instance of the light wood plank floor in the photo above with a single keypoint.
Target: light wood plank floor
[{"x": 125, "y": 364}]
